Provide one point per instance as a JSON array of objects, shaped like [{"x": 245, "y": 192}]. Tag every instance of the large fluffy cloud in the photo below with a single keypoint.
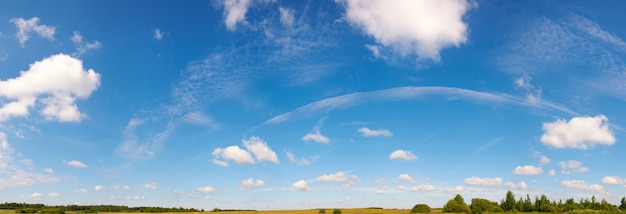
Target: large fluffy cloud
[
  {"x": 578, "y": 133},
  {"x": 421, "y": 27},
  {"x": 614, "y": 180},
  {"x": 56, "y": 82}
]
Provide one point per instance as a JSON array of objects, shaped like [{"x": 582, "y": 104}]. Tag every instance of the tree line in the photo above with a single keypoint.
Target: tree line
[
  {"x": 539, "y": 204},
  {"x": 41, "y": 208}
]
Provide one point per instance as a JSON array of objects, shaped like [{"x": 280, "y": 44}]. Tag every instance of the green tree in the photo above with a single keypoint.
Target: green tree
[
  {"x": 622, "y": 206},
  {"x": 456, "y": 205},
  {"x": 421, "y": 208},
  {"x": 509, "y": 202},
  {"x": 336, "y": 211},
  {"x": 480, "y": 205}
]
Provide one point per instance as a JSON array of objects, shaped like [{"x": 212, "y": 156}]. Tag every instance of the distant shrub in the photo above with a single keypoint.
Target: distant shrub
[
  {"x": 26, "y": 210},
  {"x": 322, "y": 211},
  {"x": 421, "y": 208},
  {"x": 336, "y": 211}
]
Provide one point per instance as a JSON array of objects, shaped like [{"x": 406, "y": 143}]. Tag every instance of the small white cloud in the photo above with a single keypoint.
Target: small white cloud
[
  {"x": 150, "y": 185},
  {"x": 300, "y": 185},
  {"x": 337, "y": 177},
  {"x": 572, "y": 166},
  {"x": 613, "y": 180},
  {"x": 233, "y": 153},
  {"x": 405, "y": 178},
  {"x": 259, "y": 148},
  {"x": 54, "y": 194},
  {"x": 235, "y": 12},
  {"x": 381, "y": 190},
  {"x": 206, "y": 189},
  {"x": 81, "y": 191},
  {"x": 485, "y": 182},
  {"x": 48, "y": 170},
  {"x": 35, "y": 196},
  {"x": 158, "y": 35},
  {"x": 366, "y": 132},
  {"x": 251, "y": 183},
  {"x": 578, "y": 133},
  {"x": 521, "y": 186},
  {"x": 456, "y": 189},
  {"x": 301, "y": 161},
  {"x": 25, "y": 27},
  {"x": 527, "y": 170},
  {"x": 411, "y": 27},
  {"x": 286, "y": 16},
  {"x": 83, "y": 47},
  {"x": 552, "y": 172},
  {"x": 76, "y": 164},
  {"x": 423, "y": 188},
  {"x": 402, "y": 154},
  {"x": 99, "y": 188},
  {"x": 582, "y": 185},
  {"x": 400, "y": 187},
  {"x": 315, "y": 137}
]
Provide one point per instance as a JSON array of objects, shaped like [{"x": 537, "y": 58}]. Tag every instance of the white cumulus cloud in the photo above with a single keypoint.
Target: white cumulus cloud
[
  {"x": 25, "y": 27},
  {"x": 56, "y": 82},
  {"x": 337, "y": 177},
  {"x": 411, "y": 27},
  {"x": 300, "y": 185},
  {"x": 402, "y": 154},
  {"x": 405, "y": 178},
  {"x": 150, "y": 185},
  {"x": 486, "y": 182},
  {"x": 81, "y": 191},
  {"x": 614, "y": 180},
  {"x": 521, "y": 186},
  {"x": 259, "y": 148},
  {"x": 233, "y": 153},
  {"x": 76, "y": 164},
  {"x": 81, "y": 46},
  {"x": 578, "y": 133},
  {"x": 572, "y": 166},
  {"x": 366, "y": 132},
  {"x": 207, "y": 189},
  {"x": 423, "y": 188},
  {"x": 315, "y": 137},
  {"x": 98, "y": 188},
  {"x": 251, "y": 183},
  {"x": 527, "y": 170},
  {"x": 235, "y": 12},
  {"x": 583, "y": 185},
  {"x": 456, "y": 189}
]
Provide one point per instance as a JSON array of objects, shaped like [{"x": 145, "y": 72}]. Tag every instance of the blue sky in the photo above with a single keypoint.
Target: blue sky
[{"x": 269, "y": 104}]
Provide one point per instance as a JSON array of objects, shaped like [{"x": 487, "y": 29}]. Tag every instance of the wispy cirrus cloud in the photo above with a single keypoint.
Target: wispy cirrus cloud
[
  {"x": 18, "y": 171},
  {"x": 407, "y": 93}
]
